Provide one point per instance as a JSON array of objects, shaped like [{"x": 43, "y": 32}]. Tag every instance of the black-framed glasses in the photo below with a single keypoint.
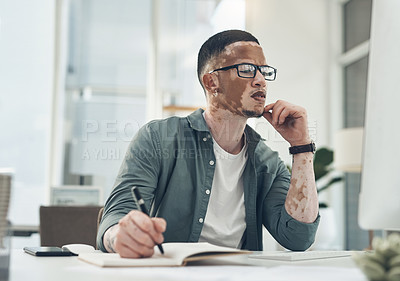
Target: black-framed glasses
[{"x": 249, "y": 70}]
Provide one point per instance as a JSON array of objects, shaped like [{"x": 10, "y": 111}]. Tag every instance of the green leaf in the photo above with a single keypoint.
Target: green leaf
[
  {"x": 323, "y": 205},
  {"x": 332, "y": 181},
  {"x": 323, "y": 157}
]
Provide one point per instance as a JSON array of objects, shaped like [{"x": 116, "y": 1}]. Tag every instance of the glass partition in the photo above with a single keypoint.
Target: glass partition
[{"x": 123, "y": 59}]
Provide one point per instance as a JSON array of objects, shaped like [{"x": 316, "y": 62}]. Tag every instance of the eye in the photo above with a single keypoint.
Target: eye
[
  {"x": 246, "y": 69},
  {"x": 267, "y": 71}
]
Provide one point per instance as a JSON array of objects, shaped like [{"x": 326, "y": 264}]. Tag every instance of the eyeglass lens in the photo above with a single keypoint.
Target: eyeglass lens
[{"x": 249, "y": 71}]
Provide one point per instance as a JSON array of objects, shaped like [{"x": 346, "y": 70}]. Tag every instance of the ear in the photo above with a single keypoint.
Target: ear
[{"x": 210, "y": 82}]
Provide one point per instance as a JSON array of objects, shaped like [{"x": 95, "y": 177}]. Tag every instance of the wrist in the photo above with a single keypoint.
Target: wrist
[
  {"x": 109, "y": 239},
  {"x": 301, "y": 142}
]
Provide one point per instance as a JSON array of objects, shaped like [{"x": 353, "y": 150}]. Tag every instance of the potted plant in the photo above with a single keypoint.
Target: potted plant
[
  {"x": 323, "y": 159},
  {"x": 326, "y": 234}
]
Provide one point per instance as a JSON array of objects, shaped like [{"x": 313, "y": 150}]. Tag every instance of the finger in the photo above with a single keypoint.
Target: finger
[
  {"x": 132, "y": 242},
  {"x": 283, "y": 115},
  {"x": 125, "y": 252},
  {"x": 268, "y": 115},
  {"x": 141, "y": 237},
  {"x": 147, "y": 226},
  {"x": 144, "y": 230},
  {"x": 276, "y": 112},
  {"x": 124, "y": 245},
  {"x": 141, "y": 220},
  {"x": 136, "y": 250},
  {"x": 133, "y": 249},
  {"x": 160, "y": 224},
  {"x": 268, "y": 107},
  {"x": 131, "y": 225}
]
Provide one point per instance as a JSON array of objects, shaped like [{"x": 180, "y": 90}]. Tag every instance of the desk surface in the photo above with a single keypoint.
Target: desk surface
[{"x": 27, "y": 267}]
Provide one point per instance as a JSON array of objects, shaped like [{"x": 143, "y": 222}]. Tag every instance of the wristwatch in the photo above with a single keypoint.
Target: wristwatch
[{"x": 302, "y": 148}]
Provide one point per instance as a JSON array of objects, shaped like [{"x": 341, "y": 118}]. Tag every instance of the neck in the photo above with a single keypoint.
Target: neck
[{"x": 227, "y": 129}]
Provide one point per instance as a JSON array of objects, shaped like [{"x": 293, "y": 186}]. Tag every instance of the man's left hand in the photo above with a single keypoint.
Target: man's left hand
[{"x": 289, "y": 120}]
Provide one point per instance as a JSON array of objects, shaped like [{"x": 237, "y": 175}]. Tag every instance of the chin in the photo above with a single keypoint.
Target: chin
[{"x": 253, "y": 113}]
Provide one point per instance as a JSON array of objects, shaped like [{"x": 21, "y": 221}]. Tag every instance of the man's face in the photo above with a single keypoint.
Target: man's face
[{"x": 242, "y": 96}]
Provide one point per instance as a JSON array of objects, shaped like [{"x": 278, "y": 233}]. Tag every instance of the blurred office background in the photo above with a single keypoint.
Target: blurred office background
[{"x": 79, "y": 77}]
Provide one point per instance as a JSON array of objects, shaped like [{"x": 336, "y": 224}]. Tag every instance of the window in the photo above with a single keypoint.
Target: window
[
  {"x": 25, "y": 103},
  {"x": 356, "y": 23},
  {"x": 124, "y": 61},
  {"x": 117, "y": 61},
  {"x": 356, "y": 33}
]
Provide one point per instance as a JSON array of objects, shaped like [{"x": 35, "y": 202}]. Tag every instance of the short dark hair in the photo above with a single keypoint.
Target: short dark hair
[{"x": 216, "y": 44}]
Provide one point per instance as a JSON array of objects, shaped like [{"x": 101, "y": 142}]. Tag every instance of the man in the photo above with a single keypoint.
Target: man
[{"x": 209, "y": 176}]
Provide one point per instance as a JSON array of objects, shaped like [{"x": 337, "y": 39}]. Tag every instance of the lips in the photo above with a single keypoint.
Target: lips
[{"x": 259, "y": 95}]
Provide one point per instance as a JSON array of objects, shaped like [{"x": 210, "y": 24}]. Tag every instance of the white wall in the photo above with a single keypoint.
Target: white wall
[
  {"x": 294, "y": 36},
  {"x": 297, "y": 39}
]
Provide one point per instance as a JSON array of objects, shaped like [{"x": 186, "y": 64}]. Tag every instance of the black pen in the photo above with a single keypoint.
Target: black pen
[{"x": 140, "y": 202}]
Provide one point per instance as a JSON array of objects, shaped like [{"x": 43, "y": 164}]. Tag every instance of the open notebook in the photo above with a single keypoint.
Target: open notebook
[{"x": 176, "y": 254}]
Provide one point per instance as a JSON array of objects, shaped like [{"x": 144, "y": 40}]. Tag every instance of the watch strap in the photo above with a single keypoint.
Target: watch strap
[{"x": 302, "y": 148}]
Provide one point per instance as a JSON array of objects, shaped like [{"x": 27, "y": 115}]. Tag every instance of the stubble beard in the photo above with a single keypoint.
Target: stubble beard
[{"x": 252, "y": 113}]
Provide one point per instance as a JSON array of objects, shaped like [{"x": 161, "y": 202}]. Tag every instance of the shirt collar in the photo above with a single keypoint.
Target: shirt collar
[{"x": 197, "y": 122}]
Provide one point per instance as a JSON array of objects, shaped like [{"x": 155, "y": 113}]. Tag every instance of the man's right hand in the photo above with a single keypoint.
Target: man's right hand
[{"x": 135, "y": 235}]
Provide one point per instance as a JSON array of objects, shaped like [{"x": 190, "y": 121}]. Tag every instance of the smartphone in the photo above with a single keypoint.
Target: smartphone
[{"x": 47, "y": 251}]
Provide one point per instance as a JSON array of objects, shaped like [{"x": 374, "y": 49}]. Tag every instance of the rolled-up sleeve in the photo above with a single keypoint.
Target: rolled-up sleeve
[
  {"x": 287, "y": 231},
  {"x": 295, "y": 235},
  {"x": 140, "y": 168}
]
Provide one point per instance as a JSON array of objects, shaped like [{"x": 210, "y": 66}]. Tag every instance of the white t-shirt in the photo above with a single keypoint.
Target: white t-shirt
[{"x": 224, "y": 223}]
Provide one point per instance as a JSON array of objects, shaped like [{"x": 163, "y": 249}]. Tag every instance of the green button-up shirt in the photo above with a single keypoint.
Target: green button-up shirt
[{"x": 172, "y": 162}]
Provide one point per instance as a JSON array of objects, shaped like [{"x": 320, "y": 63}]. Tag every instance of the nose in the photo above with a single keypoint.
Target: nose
[{"x": 258, "y": 80}]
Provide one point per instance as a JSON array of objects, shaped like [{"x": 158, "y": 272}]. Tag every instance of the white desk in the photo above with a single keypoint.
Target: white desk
[{"x": 27, "y": 267}]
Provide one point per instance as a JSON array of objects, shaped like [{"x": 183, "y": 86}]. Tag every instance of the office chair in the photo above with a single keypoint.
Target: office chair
[
  {"x": 61, "y": 225},
  {"x": 99, "y": 217}
]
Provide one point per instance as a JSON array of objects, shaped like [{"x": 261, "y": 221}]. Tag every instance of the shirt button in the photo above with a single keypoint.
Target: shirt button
[
  {"x": 208, "y": 191},
  {"x": 201, "y": 220},
  {"x": 204, "y": 139},
  {"x": 211, "y": 162}
]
